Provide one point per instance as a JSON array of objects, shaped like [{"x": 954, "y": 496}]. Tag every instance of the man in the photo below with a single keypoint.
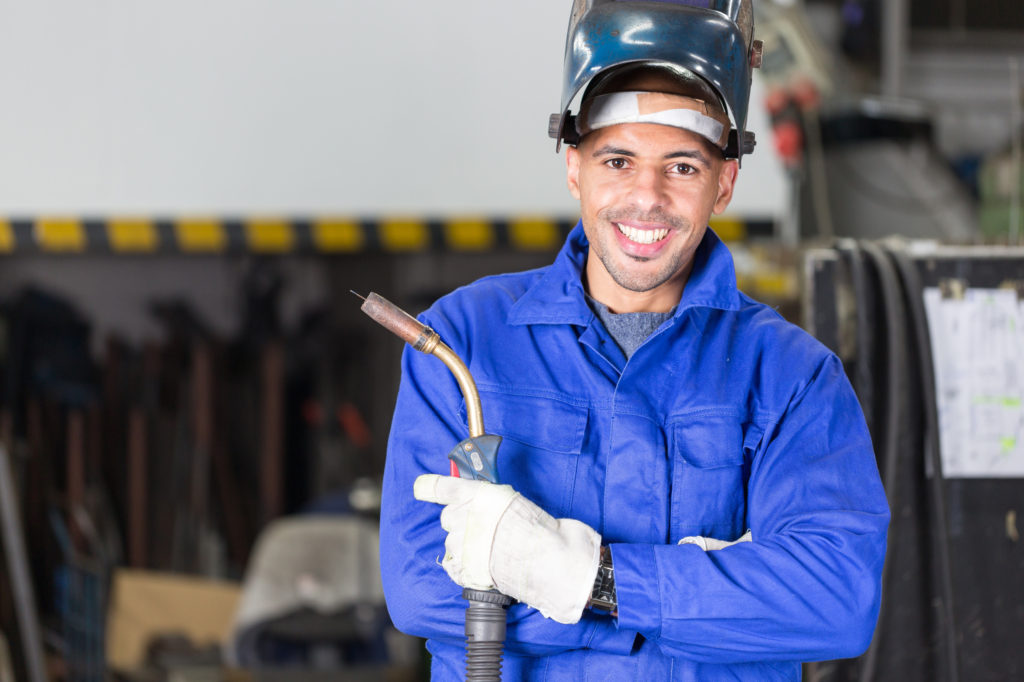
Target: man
[{"x": 689, "y": 490}]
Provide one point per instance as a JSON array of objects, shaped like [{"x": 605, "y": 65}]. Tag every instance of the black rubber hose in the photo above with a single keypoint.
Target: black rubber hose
[
  {"x": 892, "y": 423},
  {"x": 914, "y": 297},
  {"x": 863, "y": 380},
  {"x": 485, "y": 634}
]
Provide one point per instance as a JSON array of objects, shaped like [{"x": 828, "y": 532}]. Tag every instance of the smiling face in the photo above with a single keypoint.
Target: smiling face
[{"x": 646, "y": 192}]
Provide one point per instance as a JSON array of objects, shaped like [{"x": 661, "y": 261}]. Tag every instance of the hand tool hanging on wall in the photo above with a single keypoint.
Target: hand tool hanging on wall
[{"x": 475, "y": 458}]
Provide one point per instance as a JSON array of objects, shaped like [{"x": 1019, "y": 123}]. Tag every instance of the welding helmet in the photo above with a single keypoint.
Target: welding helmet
[{"x": 712, "y": 39}]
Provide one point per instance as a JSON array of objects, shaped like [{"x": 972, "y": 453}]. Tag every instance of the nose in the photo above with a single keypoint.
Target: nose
[{"x": 648, "y": 188}]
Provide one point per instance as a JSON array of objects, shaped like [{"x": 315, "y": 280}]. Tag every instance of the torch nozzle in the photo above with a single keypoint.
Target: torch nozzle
[
  {"x": 426, "y": 340},
  {"x": 400, "y": 323}
]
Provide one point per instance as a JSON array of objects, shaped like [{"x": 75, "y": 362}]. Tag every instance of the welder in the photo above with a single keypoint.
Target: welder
[{"x": 688, "y": 489}]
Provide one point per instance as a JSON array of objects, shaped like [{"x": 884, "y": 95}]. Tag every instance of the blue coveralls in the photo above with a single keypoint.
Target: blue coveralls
[{"x": 728, "y": 418}]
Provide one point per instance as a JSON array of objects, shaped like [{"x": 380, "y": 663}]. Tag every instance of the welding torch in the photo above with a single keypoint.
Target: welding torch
[{"x": 475, "y": 458}]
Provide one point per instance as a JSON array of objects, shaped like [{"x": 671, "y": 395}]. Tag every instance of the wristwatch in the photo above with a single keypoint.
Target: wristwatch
[{"x": 602, "y": 597}]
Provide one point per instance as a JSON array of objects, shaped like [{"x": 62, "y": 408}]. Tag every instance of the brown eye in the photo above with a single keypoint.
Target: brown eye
[
  {"x": 617, "y": 164},
  {"x": 684, "y": 169}
]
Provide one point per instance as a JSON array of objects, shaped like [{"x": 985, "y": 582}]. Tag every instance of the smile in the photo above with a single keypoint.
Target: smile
[{"x": 641, "y": 236}]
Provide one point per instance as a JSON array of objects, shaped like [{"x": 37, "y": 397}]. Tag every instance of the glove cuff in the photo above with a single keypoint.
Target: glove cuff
[{"x": 547, "y": 563}]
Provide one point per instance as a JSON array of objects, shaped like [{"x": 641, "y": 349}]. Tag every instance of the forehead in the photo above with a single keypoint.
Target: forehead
[{"x": 647, "y": 139}]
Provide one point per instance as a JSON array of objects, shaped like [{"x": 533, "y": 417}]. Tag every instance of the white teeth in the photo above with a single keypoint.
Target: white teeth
[{"x": 642, "y": 236}]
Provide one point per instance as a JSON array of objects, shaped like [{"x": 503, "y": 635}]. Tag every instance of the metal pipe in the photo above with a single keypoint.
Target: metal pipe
[
  {"x": 474, "y": 412},
  {"x": 895, "y": 24},
  {"x": 1016, "y": 91}
]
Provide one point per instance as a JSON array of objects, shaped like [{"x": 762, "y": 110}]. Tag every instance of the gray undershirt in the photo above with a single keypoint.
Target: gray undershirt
[{"x": 629, "y": 330}]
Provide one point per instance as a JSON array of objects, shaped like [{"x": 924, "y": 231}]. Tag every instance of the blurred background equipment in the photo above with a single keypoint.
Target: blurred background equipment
[
  {"x": 312, "y": 599},
  {"x": 933, "y": 340},
  {"x": 19, "y": 583}
]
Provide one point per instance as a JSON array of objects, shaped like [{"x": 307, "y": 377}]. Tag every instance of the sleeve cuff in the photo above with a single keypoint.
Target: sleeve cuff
[
  {"x": 611, "y": 638},
  {"x": 636, "y": 589}
]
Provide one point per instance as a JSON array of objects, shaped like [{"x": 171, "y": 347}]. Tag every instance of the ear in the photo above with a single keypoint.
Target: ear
[
  {"x": 726, "y": 183},
  {"x": 572, "y": 171}
]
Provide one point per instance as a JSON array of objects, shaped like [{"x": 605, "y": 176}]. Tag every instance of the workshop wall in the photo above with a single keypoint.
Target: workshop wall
[{"x": 243, "y": 107}]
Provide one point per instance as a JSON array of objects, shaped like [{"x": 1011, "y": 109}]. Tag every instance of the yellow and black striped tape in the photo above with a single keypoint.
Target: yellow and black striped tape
[{"x": 323, "y": 235}]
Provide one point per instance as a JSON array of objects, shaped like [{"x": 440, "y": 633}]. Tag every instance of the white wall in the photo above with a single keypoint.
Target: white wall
[{"x": 293, "y": 106}]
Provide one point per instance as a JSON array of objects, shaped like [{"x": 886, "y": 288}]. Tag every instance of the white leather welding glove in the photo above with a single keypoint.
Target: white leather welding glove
[
  {"x": 711, "y": 544},
  {"x": 499, "y": 539}
]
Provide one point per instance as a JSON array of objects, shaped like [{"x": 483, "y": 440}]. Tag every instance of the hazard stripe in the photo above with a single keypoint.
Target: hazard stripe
[
  {"x": 404, "y": 235},
  {"x": 533, "y": 234},
  {"x": 269, "y": 236},
  {"x": 338, "y": 235},
  {"x": 6, "y": 237},
  {"x": 128, "y": 235},
  {"x": 199, "y": 235},
  {"x": 728, "y": 229},
  {"x": 60, "y": 235},
  {"x": 469, "y": 234}
]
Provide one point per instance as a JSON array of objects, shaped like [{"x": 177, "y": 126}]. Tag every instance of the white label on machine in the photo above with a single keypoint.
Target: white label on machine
[{"x": 978, "y": 353}]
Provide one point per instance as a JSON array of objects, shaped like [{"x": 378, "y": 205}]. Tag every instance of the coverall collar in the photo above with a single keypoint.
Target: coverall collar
[{"x": 558, "y": 296}]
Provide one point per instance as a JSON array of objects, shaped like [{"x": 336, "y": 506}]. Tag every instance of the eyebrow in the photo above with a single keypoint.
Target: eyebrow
[
  {"x": 616, "y": 151},
  {"x": 694, "y": 154}
]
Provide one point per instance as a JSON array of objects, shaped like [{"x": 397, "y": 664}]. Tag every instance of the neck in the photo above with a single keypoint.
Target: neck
[{"x": 661, "y": 299}]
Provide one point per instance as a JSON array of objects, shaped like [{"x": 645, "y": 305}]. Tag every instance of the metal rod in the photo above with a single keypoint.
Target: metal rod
[
  {"x": 17, "y": 567},
  {"x": 895, "y": 22},
  {"x": 272, "y": 429},
  {"x": 1016, "y": 91},
  {"x": 75, "y": 462},
  {"x": 137, "y": 488},
  {"x": 818, "y": 179}
]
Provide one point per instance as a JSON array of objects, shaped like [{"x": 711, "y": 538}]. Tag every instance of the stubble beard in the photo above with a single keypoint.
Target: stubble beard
[{"x": 636, "y": 280}]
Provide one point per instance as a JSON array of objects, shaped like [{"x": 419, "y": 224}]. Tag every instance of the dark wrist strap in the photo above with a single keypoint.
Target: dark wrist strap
[{"x": 602, "y": 597}]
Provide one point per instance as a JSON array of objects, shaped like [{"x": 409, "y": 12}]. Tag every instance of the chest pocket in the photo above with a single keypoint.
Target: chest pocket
[
  {"x": 710, "y": 468},
  {"x": 540, "y": 448}
]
